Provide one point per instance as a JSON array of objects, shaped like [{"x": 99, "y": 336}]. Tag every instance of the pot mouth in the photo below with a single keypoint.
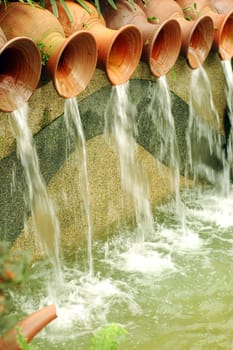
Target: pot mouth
[
  {"x": 124, "y": 54},
  {"x": 74, "y": 64},
  {"x": 165, "y": 47},
  {"x": 225, "y": 45},
  {"x": 20, "y": 71},
  {"x": 200, "y": 42}
]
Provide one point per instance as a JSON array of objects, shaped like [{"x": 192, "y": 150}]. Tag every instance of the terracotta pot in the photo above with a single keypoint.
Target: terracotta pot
[
  {"x": 161, "y": 42},
  {"x": 119, "y": 51},
  {"x": 20, "y": 62},
  {"x": 197, "y": 36},
  {"x": 29, "y": 327},
  {"x": 222, "y": 6},
  {"x": 71, "y": 62},
  {"x": 223, "y": 24}
]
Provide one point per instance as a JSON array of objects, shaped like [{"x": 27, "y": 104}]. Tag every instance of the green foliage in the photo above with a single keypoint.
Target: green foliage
[
  {"x": 13, "y": 273},
  {"x": 13, "y": 267},
  {"x": 153, "y": 19},
  {"x": 44, "y": 55},
  {"x": 190, "y": 11},
  {"x": 107, "y": 338},
  {"x": 22, "y": 341}
]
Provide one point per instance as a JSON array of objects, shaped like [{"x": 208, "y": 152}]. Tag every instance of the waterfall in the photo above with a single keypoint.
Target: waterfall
[
  {"x": 76, "y": 135},
  {"x": 204, "y": 143},
  {"x": 160, "y": 110},
  {"x": 43, "y": 213},
  {"x": 227, "y": 70},
  {"x": 120, "y": 122}
]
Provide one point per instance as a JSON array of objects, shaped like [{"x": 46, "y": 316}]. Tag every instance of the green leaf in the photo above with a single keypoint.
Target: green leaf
[
  {"x": 42, "y": 3},
  {"x": 153, "y": 19},
  {"x": 97, "y": 5},
  {"x": 22, "y": 341},
  {"x": 107, "y": 338},
  {"x": 67, "y": 11},
  {"x": 188, "y": 18},
  {"x": 112, "y": 3},
  {"x": 85, "y": 6},
  {"x": 132, "y": 4},
  {"x": 54, "y": 7}
]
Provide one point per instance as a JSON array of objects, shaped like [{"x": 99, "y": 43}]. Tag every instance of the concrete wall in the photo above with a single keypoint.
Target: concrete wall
[{"x": 60, "y": 168}]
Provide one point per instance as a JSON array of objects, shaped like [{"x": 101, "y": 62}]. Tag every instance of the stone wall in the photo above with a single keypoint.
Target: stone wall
[{"x": 109, "y": 204}]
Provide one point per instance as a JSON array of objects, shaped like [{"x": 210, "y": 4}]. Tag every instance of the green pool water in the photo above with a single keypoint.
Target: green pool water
[{"x": 172, "y": 292}]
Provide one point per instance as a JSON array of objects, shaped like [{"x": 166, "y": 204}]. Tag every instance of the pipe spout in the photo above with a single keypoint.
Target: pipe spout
[
  {"x": 221, "y": 13},
  {"x": 161, "y": 42},
  {"x": 20, "y": 70},
  {"x": 29, "y": 327},
  {"x": 197, "y": 36},
  {"x": 70, "y": 62},
  {"x": 119, "y": 51}
]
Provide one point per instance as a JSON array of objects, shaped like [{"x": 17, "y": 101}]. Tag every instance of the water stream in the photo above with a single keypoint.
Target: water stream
[
  {"x": 227, "y": 70},
  {"x": 120, "y": 122},
  {"x": 160, "y": 110},
  {"x": 204, "y": 143},
  {"x": 43, "y": 212},
  {"x": 76, "y": 135},
  {"x": 176, "y": 292}
]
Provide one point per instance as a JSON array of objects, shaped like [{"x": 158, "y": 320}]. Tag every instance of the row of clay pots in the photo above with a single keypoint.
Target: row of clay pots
[
  {"x": 221, "y": 13},
  {"x": 28, "y": 327},
  {"x": 114, "y": 42}
]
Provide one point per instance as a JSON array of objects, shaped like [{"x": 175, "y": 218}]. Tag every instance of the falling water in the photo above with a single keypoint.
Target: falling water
[
  {"x": 227, "y": 69},
  {"x": 120, "y": 121},
  {"x": 160, "y": 110},
  {"x": 76, "y": 134},
  {"x": 203, "y": 138},
  {"x": 43, "y": 213}
]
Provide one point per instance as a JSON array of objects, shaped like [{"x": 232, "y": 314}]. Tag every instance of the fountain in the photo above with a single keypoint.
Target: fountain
[{"x": 150, "y": 291}]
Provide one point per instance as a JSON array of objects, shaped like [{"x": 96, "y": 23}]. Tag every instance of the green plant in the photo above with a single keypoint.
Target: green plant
[
  {"x": 153, "y": 19},
  {"x": 22, "y": 341},
  {"x": 190, "y": 11},
  {"x": 44, "y": 55},
  {"x": 108, "y": 337},
  {"x": 13, "y": 272}
]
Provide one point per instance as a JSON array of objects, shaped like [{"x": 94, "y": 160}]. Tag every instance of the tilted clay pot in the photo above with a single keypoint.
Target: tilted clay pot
[
  {"x": 119, "y": 51},
  {"x": 197, "y": 36},
  {"x": 20, "y": 63},
  {"x": 223, "y": 23},
  {"x": 29, "y": 327},
  {"x": 161, "y": 42},
  {"x": 71, "y": 62}
]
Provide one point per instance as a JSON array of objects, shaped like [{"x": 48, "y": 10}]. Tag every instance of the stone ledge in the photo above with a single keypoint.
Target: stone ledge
[{"x": 45, "y": 104}]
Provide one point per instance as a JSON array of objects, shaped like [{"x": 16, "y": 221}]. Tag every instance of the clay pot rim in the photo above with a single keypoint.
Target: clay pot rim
[
  {"x": 52, "y": 68},
  {"x": 160, "y": 27},
  {"x": 196, "y": 23},
  {"x": 221, "y": 30},
  {"x": 137, "y": 56}
]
